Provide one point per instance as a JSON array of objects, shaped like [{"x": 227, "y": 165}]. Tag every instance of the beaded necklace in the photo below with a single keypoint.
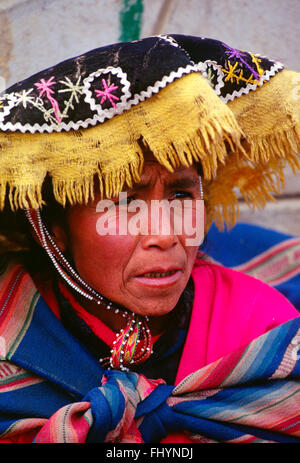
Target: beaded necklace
[{"x": 133, "y": 344}]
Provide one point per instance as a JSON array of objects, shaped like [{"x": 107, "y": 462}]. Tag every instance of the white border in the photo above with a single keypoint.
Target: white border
[
  {"x": 96, "y": 119},
  {"x": 203, "y": 66},
  {"x": 10, "y": 99},
  {"x": 107, "y": 113},
  {"x": 245, "y": 90},
  {"x": 137, "y": 98}
]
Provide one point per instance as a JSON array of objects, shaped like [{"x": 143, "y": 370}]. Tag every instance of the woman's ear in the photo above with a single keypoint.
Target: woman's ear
[{"x": 59, "y": 235}]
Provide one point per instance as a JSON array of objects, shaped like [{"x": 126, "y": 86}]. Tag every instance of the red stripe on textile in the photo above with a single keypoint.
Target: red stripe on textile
[
  {"x": 285, "y": 277},
  {"x": 292, "y": 427},
  {"x": 258, "y": 260},
  {"x": 291, "y": 424},
  {"x": 47, "y": 293},
  {"x": 9, "y": 293},
  {"x": 22, "y": 438},
  {"x": 213, "y": 375},
  {"x": 10, "y": 288},
  {"x": 55, "y": 430},
  {"x": 19, "y": 383},
  {"x": 219, "y": 375},
  {"x": 97, "y": 326}
]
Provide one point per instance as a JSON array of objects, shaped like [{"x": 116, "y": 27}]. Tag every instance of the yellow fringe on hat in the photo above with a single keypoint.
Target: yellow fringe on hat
[
  {"x": 243, "y": 147},
  {"x": 185, "y": 122},
  {"x": 239, "y": 178},
  {"x": 270, "y": 119}
]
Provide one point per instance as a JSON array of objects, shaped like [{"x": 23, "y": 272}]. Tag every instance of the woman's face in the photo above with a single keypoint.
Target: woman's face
[{"x": 144, "y": 271}]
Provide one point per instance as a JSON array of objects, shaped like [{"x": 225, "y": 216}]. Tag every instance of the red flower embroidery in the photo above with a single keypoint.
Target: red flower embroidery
[
  {"x": 106, "y": 93},
  {"x": 44, "y": 87}
]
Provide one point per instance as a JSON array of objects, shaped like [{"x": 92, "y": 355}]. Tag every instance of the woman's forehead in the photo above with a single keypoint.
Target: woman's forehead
[{"x": 153, "y": 172}]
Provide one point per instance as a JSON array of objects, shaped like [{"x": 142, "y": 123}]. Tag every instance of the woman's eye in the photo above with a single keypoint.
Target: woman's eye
[
  {"x": 125, "y": 201},
  {"x": 182, "y": 195}
]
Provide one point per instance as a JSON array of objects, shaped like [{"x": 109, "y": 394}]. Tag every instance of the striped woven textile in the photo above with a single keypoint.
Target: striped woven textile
[
  {"x": 266, "y": 254},
  {"x": 53, "y": 390}
]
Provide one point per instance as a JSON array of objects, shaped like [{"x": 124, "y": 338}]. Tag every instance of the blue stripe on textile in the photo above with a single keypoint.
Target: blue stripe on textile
[
  {"x": 241, "y": 243},
  {"x": 229, "y": 431},
  {"x": 106, "y": 415},
  {"x": 214, "y": 430},
  {"x": 35, "y": 401},
  {"x": 49, "y": 359},
  {"x": 291, "y": 290},
  {"x": 238, "y": 400},
  {"x": 154, "y": 400},
  {"x": 244, "y": 242},
  {"x": 108, "y": 403},
  {"x": 273, "y": 346},
  {"x": 156, "y": 425}
]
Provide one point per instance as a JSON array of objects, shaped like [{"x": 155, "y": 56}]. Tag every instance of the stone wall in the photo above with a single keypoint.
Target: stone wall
[{"x": 38, "y": 33}]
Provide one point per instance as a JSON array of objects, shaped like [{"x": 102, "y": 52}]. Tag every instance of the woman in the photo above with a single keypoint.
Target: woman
[{"x": 101, "y": 139}]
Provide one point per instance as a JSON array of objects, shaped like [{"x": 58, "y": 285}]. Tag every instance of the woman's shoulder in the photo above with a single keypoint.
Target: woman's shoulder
[
  {"x": 230, "y": 310},
  {"x": 244, "y": 294},
  {"x": 220, "y": 275}
]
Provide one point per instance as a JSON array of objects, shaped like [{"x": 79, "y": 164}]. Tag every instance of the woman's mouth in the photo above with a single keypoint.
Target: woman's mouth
[
  {"x": 158, "y": 278},
  {"x": 158, "y": 274}
]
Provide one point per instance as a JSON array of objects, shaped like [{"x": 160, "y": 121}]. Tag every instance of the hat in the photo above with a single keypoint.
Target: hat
[{"x": 187, "y": 99}]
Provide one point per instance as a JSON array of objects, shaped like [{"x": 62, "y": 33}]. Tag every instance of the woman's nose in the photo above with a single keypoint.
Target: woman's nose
[
  {"x": 162, "y": 242},
  {"x": 160, "y": 231}
]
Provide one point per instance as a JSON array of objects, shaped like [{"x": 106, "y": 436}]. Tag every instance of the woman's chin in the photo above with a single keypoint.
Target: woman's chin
[{"x": 154, "y": 307}]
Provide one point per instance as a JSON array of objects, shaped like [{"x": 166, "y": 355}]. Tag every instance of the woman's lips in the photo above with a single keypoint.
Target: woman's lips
[{"x": 159, "y": 278}]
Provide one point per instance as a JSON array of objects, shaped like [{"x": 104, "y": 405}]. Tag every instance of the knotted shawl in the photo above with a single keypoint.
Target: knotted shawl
[{"x": 251, "y": 395}]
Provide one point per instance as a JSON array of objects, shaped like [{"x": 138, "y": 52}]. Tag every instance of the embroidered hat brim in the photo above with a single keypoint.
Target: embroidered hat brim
[{"x": 187, "y": 99}]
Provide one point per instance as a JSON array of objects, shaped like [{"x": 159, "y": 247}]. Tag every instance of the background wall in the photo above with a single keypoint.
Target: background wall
[{"x": 36, "y": 34}]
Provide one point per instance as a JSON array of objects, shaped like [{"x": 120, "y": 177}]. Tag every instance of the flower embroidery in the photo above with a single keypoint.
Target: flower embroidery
[
  {"x": 106, "y": 93},
  {"x": 256, "y": 61},
  {"x": 232, "y": 76},
  {"x": 44, "y": 87},
  {"x": 24, "y": 98},
  {"x": 238, "y": 55},
  {"x": 74, "y": 90}
]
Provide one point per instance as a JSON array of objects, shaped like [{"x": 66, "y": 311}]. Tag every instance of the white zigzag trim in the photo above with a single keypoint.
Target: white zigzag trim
[
  {"x": 96, "y": 118},
  {"x": 6, "y": 109},
  {"x": 169, "y": 39},
  {"x": 161, "y": 84},
  {"x": 121, "y": 107},
  {"x": 203, "y": 66},
  {"x": 107, "y": 113},
  {"x": 174, "y": 43},
  {"x": 46, "y": 128},
  {"x": 244, "y": 91}
]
